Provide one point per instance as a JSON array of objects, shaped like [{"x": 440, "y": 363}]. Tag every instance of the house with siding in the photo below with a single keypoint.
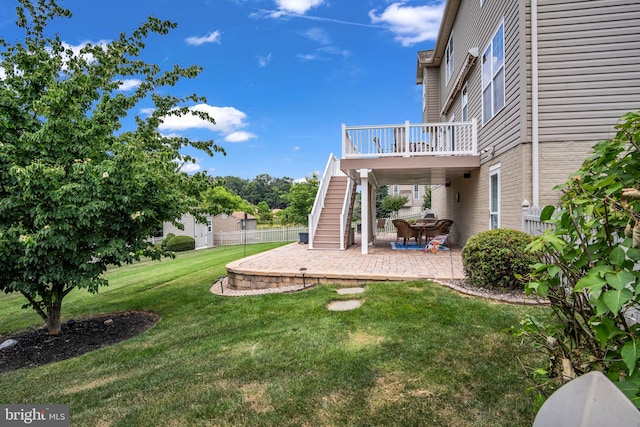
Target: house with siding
[
  {"x": 415, "y": 197},
  {"x": 202, "y": 233},
  {"x": 233, "y": 222},
  {"x": 515, "y": 93}
]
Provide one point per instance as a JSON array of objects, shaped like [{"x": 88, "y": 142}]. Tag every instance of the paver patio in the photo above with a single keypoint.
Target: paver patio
[{"x": 281, "y": 266}]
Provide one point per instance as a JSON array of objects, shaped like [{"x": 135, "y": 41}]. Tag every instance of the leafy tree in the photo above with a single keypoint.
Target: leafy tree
[
  {"x": 394, "y": 203},
  {"x": 588, "y": 270},
  {"x": 218, "y": 199},
  {"x": 264, "y": 212},
  {"x": 235, "y": 185},
  {"x": 77, "y": 193},
  {"x": 381, "y": 194},
  {"x": 301, "y": 199},
  {"x": 426, "y": 199}
]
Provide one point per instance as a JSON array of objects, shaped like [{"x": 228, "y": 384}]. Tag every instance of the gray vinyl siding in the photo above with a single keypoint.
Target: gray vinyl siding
[
  {"x": 189, "y": 223},
  {"x": 475, "y": 27},
  {"x": 432, "y": 114},
  {"x": 589, "y": 74}
]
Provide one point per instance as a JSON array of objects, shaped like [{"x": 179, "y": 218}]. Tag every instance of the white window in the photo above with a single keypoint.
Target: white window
[
  {"x": 209, "y": 225},
  {"x": 416, "y": 192},
  {"x": 493, "y": 76},
  {"x": 396, "y": 190},
  {"x": 448, "y": 59},
  {"x": 494, "y": 197},
  {"x": 465, "y": 102}
]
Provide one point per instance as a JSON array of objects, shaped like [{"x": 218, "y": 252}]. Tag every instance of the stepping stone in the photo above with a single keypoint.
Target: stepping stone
[
  {"x": 344, "y": 305},
  {"x": 346, "y": 291}
]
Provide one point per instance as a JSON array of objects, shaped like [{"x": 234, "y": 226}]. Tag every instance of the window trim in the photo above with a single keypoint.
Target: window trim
[
  {"x": 494, "y": 73},
  {"x": 494, "y": 171},
  {"x": 449, "y": 60}
]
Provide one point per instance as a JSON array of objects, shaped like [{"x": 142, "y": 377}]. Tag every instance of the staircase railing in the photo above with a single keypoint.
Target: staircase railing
[{"x": 332, "y": 169}]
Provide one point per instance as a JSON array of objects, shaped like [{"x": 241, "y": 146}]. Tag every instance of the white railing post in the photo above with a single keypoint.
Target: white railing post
[
  {"x": 474, "y": 136},
  {"x": 345, "y": 148},
  {"x": 406, "y": 138}
]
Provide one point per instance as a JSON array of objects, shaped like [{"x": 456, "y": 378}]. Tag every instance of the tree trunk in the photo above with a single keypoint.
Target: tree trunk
[{"x": 53, "y": 317}]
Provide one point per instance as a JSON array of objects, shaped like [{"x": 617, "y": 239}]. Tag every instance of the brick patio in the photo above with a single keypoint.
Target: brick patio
[{"x": 281, "y": 267}]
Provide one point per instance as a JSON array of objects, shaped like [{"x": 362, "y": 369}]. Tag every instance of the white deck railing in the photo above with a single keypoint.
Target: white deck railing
[{"x": 422, "y": 139}]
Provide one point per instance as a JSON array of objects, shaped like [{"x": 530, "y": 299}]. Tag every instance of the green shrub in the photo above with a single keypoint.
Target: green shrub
[
  {"x": 181, "y": 243},
  {"x": 166, "y": 239},
  {"x": 493, "y": 258}
]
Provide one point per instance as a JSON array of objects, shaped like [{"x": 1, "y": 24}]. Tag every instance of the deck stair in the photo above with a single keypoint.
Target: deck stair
[{"x": 327, "y": 234}]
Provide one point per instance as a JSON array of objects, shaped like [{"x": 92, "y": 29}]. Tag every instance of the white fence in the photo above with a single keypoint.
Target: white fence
[
  {"x": 531, "y": 223},
  {"x": 388, "y": 224},
  {"x": 267, "y": 235}
]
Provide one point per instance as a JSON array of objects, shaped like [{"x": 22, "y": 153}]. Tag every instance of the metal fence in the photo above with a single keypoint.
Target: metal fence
[{"x": 267, "y": 235}]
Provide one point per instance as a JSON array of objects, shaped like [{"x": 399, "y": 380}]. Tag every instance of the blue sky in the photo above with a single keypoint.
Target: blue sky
[{"x": 280, "y": 76}]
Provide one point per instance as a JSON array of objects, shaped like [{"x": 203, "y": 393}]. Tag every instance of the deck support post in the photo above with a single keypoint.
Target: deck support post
[{"x": 365, "y": 207}]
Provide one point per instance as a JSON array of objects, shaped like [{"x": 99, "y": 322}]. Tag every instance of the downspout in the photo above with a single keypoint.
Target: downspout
[{"x": 534, "y": 104}]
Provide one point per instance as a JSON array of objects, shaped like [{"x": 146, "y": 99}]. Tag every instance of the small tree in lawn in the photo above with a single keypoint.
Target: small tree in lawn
[
  {"x": 394, "y": 203},
  {"x": 76, "y": 192},
  {"x": 264, "y": 212}
]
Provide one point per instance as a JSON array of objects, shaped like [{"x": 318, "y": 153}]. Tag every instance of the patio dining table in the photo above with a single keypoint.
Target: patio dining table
[{"x": 422, "y": 227}]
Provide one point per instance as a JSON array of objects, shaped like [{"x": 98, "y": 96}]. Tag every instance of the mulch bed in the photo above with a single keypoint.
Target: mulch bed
[{"x": 37, "y": 347}]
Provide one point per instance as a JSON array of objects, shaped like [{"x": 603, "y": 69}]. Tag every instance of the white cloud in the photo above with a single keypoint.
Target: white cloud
[
  {"x": 317, "y": 35},
  {"x": 410, "y": 24},
  {"x": 296, "y": 148},
  {"x": 129, "y": 84},
  {"x": 239, "y": 136},
  {"x": 229, "y": 122},
  {"x": 308, "y": 57},
  {"x": 320, "y": 36},
  {"x": 3, "y": 74},
  {"x": 296, "y": 7},
  {"x": 263, "y": 61},
  {"x": 190, "y": 167},
  {"x": 77, "y": 48},
  {"x": 212, "y": 37}
]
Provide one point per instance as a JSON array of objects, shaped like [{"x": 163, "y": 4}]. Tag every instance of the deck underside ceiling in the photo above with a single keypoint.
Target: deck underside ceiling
[{"x": 423, "y": 170}]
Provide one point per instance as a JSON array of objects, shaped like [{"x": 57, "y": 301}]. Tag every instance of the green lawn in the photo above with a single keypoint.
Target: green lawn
[{"x": 414, "y": 354}]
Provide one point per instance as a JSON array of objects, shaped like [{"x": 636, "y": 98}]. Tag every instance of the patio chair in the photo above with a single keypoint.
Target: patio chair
[
  {"x": 381, "y": 225},
  {"x": 405, "y": 231},
  {"x": 441, "y": 227}
]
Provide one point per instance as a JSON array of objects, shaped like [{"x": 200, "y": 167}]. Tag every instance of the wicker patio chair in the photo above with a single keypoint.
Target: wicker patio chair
[
  {"x": 441, "y": 226},
  {"x": 405, "y": 231}
]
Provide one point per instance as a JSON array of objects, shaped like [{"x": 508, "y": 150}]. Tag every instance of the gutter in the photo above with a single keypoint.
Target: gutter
[{"x": 534, "y": 105}]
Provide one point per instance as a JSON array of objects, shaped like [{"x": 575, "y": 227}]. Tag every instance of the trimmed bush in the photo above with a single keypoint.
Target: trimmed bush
[
  {"x": 492, "y": 258},
  {"x": 166, "y": 239},
  {"x": 181, "y": 243}
]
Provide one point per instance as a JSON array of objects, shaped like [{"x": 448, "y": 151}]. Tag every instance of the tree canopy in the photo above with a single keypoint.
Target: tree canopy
[
  {"x": 77, "y": 191},
  {"x": 301, "y": 198}
]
